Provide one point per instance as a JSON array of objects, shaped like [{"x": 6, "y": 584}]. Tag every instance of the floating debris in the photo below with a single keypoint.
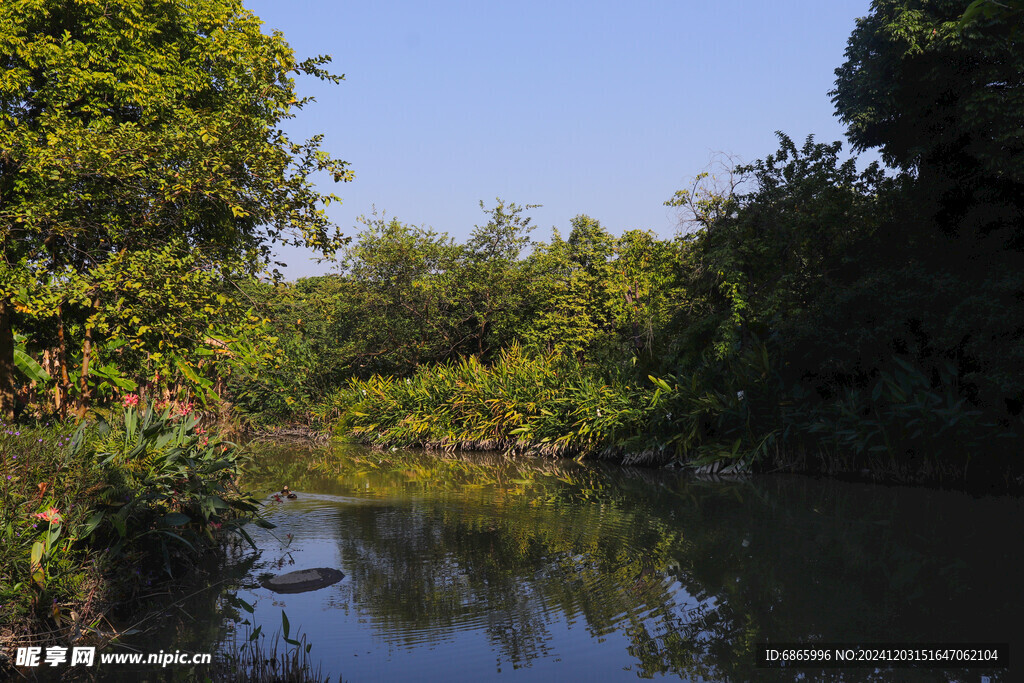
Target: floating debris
[{"x": 303, "y": 580}]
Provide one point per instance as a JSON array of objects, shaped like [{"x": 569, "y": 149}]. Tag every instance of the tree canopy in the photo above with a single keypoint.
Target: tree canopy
[
  {"x": 139, "y": 126},
  {"x": 940, "y": 94}
]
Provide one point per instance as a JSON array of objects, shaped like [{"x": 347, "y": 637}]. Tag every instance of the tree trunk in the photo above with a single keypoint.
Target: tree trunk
[
  {"x": 85, "y": 391},
  {"x": 62, "y": 383},
  {"x": 7, "y": 368}
]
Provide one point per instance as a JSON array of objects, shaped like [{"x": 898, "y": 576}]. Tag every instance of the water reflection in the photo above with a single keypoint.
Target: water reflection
[{"x": 555, "y": 569}]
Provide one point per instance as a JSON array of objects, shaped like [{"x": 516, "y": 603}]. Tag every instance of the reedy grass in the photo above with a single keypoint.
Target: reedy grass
[
  {"x": 42, "y": 569},
  {"x": 542, "y": 405},
  {"x": 725, "y": 415}
]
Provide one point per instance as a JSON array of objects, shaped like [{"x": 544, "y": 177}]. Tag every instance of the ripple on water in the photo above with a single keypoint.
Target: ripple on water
[{"x": 580, "y": 573}]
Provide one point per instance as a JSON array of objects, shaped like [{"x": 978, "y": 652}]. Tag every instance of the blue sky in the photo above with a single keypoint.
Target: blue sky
[{"x": 603, "y": 108}]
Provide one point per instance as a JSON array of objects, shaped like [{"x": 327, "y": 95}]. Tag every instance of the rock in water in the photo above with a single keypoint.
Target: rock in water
[{"x": 303, "y": 580}]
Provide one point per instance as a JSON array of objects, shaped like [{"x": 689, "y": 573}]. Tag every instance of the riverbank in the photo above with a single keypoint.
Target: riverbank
[
  {"x": 105, "y": 514},
  {"x": 727, "y": 418}
]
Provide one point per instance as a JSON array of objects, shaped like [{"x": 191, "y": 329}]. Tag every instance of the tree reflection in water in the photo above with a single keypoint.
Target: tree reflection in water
[{"x": 690, "y": 574}]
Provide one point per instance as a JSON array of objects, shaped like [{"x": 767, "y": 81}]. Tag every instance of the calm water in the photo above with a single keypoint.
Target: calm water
[{"x": 489, "y": 568}]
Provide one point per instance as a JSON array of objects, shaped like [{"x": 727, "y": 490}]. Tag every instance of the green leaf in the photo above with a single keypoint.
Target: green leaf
[
  {"x": 29, "y": 367},
  {"x": 175, "y": 519},
  {"x": 187, "y": 370},
  {"x": 662, "y": 384},
  {"x": 36, "y": 556},
  {"x": 91, "y": 524},
  {"x": 244, "y": 534}
]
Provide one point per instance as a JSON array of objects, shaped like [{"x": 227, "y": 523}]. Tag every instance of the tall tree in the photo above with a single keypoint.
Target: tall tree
[
  {"x": 494, "y": 279},
  {"x": 765, "y": 251},
  {"x": 937, "y": 86},
  {"x": 140, "y": 125},
  {"x": 943, "y": 99},
  {"x": 400, "y": 307},
  {"x": 570, "y": 278}
]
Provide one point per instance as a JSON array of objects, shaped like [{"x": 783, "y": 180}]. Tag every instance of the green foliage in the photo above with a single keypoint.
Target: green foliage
[
  {"x": 294, "y": 357},
  {"x": 759, "y": 257},
  {"x": 911, "y": 421},
  {"x": 544, "y": 404},
  {"x": 142, "y": 163},
  {"x": 939, "y": 91},
  {"x": 600, "y": 298},
  {"x": 991, "y": 9},
  {"x": 105, "y": 508},
  {"x": 726, "y": 412},
  {"x": 493, "y": 280},
  {"x": 926, "y": 89},
  {"x": 41, "y": 492},
  {"x": 26, "y": 364},
  {"x": 400, "y": 309},
  {"x": 408, "y": 296},
  {"x": 169, "y": 485},
  {"x": 570, "y": 277}
]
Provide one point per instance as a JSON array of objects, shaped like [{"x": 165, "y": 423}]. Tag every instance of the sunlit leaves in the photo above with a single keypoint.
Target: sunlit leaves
[{"x": 140, "y": 135}]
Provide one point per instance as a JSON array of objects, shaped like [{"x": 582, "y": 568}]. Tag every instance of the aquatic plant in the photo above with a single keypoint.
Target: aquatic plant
[
  {"x": 256, "y": 658},
  {"x": 912, "y": 423}
]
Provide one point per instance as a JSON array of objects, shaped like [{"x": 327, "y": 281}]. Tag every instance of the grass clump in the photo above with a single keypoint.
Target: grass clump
[
  {"x": 544, "y": 404},
  {"x": 43, "y": 568}
]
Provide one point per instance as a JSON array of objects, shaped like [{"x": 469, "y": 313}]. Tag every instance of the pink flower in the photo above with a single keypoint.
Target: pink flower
[
  {"x": 51, "y": 516},
  {"x": 131, "y": 400},
  {"x": 215, "y": 525}
]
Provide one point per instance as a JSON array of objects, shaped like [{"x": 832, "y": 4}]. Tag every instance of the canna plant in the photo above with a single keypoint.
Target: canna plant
[{"x": 170, "y": 484}]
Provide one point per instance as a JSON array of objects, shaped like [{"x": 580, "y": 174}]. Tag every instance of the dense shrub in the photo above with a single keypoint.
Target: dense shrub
[{"x": 108, "y": 507}]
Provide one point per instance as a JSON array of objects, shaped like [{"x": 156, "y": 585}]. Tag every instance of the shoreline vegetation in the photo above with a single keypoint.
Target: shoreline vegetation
[
  {"x": 814, "y": 313},
  {"x": 545, "y": 407},
  {"x": 99, "y": 518}
]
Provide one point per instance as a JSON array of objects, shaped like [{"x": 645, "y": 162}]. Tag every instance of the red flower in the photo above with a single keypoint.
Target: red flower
[
  {"x": 131, "y": 400},
  {"x": 51, "y": 516}
]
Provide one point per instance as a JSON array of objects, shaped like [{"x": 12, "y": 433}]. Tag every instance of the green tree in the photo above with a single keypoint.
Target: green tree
[
  {"x": 938, "y": 88},
  {"x": 137, "y": 126},
  {"x": 764, "y": 251},
  {"x": 308, "y": 357},
  {"x": 943, "y": 99},
  {"x": 570, "y": 311},
  {"x": 643, "y": 289},
  {"x": 400, "y": 307},
  {"x": 493, "y": 276}
]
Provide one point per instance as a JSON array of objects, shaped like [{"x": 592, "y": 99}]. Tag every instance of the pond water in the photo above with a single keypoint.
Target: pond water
[{"x": 489, "y": 568}]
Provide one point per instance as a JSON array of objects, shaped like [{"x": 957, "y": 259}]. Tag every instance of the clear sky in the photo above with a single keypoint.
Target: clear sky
[{"x": 596, "y": 107}]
